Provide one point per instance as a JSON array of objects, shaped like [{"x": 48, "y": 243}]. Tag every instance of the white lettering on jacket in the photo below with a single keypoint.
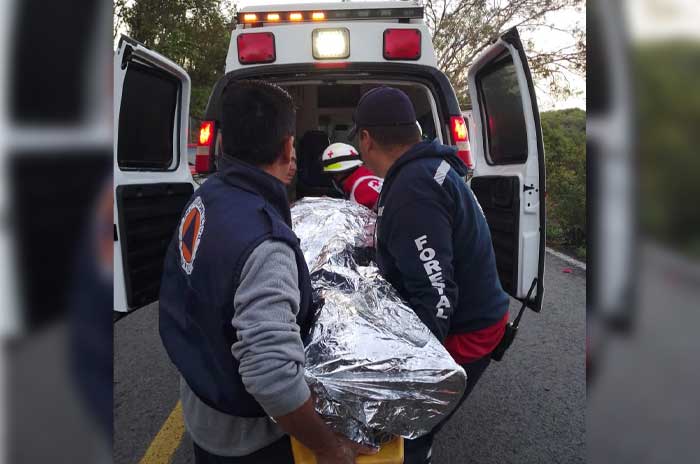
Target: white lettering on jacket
[{"x": 434, "y": 272}]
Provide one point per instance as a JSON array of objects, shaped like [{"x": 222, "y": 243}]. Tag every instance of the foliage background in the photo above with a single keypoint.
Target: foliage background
[
  {"x": 668, "y": 105},
  {"x": 193, "y": 33},
  {"x": 196, "y": 34},
  {"x": 462, "y": 29},
  {"x": 564, "y": 134}
]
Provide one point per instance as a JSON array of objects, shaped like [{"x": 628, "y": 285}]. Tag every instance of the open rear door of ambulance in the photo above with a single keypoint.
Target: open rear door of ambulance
[
  {"x": 152, "y": 180},
  {"x": 509, "y": 177}
]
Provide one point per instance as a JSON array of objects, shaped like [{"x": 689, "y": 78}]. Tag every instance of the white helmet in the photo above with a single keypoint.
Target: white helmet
[{"x": 340, "y": 157}]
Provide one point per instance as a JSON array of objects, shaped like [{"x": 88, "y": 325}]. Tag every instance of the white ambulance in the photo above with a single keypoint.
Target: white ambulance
[{"x": 326, "y": 56}]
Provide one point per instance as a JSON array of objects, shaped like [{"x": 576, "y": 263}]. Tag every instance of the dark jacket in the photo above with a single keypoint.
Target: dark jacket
[
  {"x": 434, "y": 245},
  {"x": 228, "y": 217}
]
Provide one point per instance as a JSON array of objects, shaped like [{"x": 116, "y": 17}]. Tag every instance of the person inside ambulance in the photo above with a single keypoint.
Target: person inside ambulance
[
  {"x": 350, "y": 177},
  {"x": 432, "y": 241},
  {"x": 292, "y": 173},
  {"x": 235, "y": 298}
]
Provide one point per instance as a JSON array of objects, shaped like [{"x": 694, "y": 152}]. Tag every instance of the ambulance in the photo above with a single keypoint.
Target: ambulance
[{"x": 326, "y": 56}]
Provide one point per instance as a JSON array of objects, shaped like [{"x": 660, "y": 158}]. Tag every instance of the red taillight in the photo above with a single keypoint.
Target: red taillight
[
  {"x": 256, "y": 47},
  {"x": 459, "y": 129},
  {"x": 206, "y": 133},
  {"x": 460, "y": 137},
  {"x": 206, "y": 137},
  {"x": 402, "y": 44}
]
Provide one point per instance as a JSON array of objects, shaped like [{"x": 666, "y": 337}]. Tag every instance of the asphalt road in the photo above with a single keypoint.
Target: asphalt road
[
  {"x": 643, "y": 403},
  {"x": 530, "y": 408}
]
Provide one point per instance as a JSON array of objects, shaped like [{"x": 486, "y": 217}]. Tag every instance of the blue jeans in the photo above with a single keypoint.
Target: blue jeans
[{"x": 419, "y": 451}]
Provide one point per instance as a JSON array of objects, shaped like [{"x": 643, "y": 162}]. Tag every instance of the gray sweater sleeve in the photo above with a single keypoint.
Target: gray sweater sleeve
[{"x": 269, "y": 347}]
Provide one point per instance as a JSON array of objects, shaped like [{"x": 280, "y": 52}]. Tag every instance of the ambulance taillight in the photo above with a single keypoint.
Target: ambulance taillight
[
  {"x": 460, "y": 137},
  {"x": 402, "y": 44},
  {"x": 256, "y": 47},
  {"x": 203, "y": 156}
]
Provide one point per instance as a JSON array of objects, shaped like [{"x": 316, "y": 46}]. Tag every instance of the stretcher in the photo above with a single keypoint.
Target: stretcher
[{"x": 390, "y": 453}]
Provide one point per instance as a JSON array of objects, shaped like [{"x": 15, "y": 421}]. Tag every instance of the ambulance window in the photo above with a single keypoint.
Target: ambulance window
[
  {"x": 147, "y": 119},
  {"x": 427, "y": 125},
  {"x": 504, "y": 117},
  {"x": 338, "y": 96}
]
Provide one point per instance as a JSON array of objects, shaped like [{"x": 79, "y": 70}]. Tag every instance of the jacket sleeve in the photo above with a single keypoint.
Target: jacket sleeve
[
  {"x": 419, "y": 240},
  {"x": 366, "y": 191},
  {"x": 269, "y": 347}
]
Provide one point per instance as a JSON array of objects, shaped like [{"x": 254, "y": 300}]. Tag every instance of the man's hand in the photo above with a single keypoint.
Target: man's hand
[
  {"x": 342, "y": 451},
  {"x": 308, "y": 427}
]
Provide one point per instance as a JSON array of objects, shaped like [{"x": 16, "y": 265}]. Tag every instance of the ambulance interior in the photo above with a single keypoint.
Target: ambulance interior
[{"x": 324, "y": 116}]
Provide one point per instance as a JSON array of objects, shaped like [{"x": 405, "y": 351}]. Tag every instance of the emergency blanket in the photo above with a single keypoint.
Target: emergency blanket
[{"x": 375, "y": 369}]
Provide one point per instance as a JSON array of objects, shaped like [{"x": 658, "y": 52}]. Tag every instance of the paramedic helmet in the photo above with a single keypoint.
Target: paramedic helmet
[{"x": 340, "y": 157}]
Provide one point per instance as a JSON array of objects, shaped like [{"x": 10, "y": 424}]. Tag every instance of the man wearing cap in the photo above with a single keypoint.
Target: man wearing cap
[
  {"x": 433, "y": 242},
  {"x": 355, "y": 181}
]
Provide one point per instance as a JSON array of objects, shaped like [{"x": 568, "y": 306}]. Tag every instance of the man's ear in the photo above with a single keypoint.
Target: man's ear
[{"x": 365, "y": 139}]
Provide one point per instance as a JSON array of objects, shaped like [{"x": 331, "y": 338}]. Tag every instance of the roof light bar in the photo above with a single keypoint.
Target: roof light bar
[
  {"x": 332, "y": 15},
  {"x": 273, "y": 17}
]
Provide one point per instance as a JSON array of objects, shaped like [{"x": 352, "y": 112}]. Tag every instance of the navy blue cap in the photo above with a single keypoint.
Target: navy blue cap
[{"x": 383, "y": 106}]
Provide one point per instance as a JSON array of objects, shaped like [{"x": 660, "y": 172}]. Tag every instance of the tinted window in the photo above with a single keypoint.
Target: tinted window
[
  {"x": 504, "y": 116},
  {"x": 48, "y": 213},
  {"x": 147, "y": 118},
  {"x": 427, "y": 126},
  {"x": 50, "y": 50}
]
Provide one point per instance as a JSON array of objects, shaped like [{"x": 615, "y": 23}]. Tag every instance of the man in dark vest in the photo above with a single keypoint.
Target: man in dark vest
[{"x": 235, "y": 301}]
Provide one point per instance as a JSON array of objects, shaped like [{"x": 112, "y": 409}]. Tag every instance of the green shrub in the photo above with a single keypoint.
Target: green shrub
[{"x": 564, "y": 134}]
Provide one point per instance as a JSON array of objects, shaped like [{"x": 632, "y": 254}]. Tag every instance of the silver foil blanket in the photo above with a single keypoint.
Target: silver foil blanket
[{"x": 375, "y": 369}]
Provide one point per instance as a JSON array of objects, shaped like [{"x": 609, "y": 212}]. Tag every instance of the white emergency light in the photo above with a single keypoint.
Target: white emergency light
[{"x": 331, "y": 43}]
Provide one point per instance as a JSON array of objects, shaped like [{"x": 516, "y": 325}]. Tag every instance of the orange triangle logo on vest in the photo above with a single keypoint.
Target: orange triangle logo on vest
[{"x": 190, "y": 234}]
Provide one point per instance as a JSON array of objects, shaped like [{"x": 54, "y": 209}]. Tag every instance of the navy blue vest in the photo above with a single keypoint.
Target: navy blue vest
[{"x": 228, "y": 216}]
